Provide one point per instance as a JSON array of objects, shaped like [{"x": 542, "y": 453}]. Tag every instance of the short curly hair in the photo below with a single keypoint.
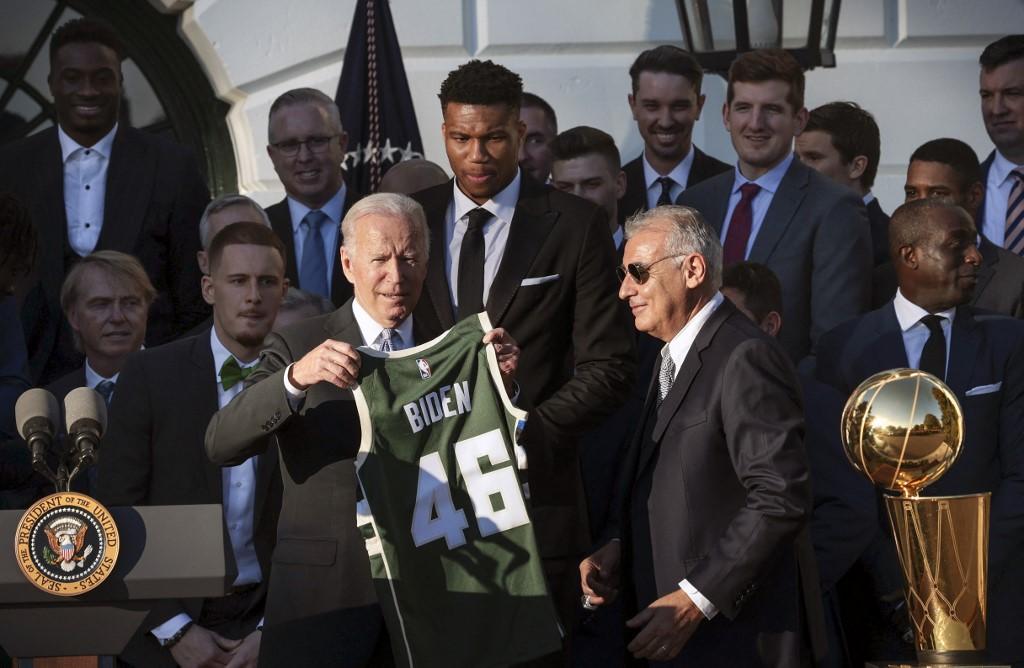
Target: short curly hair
[
  {"x": 86, "y": 30},
  {"x": 482, "y": 82}
]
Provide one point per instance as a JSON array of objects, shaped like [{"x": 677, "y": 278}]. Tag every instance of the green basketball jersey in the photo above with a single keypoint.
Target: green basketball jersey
[{"x": 452, "y": 551}]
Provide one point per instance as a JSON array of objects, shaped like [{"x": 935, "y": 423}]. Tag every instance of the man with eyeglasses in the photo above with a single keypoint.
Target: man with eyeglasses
[
  {"x": 714, "y": 489},
  {"x": 307, "y": 146}
]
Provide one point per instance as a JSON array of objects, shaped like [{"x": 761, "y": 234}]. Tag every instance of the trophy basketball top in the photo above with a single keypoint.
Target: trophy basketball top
[{"x": 903, "y": 429}]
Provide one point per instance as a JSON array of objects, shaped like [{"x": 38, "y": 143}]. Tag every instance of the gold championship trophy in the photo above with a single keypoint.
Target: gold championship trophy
[{"x": 903, "y": 429}]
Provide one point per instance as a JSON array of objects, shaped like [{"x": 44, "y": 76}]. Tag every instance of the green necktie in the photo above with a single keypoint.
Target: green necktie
[{"x": 232, "y": 374}]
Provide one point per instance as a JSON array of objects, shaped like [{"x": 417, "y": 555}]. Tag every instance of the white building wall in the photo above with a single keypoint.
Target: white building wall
[{"x": 912, "y": 63}]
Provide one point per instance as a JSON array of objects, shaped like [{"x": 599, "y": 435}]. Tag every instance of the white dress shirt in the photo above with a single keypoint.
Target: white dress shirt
[
  {"x": 680, "y": 174},
  {"x": 85, "y": 186},
  {"x": 769, "y": 182},
  {"x": 239, "y": 498},
  {"x": 329, "y": 233},
  {"x": 678, "y": 348},
  {"x": 503, "y": 207},
  {"x": 916, "y": 333},
  {"x": 868, "y": 198},
  {"x": 92, "y": 378},
  {"x": 997, "y": 192}
]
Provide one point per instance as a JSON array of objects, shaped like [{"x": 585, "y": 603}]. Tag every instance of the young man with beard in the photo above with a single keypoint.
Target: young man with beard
[{"x": 153, "y": 451}]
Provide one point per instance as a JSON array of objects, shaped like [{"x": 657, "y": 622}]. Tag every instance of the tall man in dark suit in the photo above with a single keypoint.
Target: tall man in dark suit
[
  {"x": 948, "y": 169},
  {"x": 153, "y": 452},
  {"x": 322, "y": 608},
  {"x": 1001, "y": 218},
  {"x": 842, "y": 141},
  {"x": 714, "y": 491},
  {"x": 775, "y": 210},
  {"x": 980, "y": 356},
  {"x": 540, "y": 262},
  {"x": 307, "y": 146},
  {"x": 93, "y": 183},
  {"x": 666, "y": 103}
]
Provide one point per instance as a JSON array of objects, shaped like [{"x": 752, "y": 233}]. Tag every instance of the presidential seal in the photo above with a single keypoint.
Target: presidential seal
[{"x": 66, "y": 544}]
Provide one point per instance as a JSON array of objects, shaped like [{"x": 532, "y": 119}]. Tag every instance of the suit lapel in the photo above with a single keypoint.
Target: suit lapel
[
  {"x": 53, "y": 226},
  {"x": 435, "y": 205},
  {"x": 635, "y": 198},
  {"x": 684, "y": 379},
  {"x": 963, "y": 351},
  {"x": 716, "y": 203},
  {"x": 781, "y": 211},
  {"x": 129, "y": 183},
  {"x": 281, "y": 222},
  {"x": 342, "y": 326},
  {"x": 204, "y": 394},
  {"x": 985, "y": 167},
  {"x": 531, "y": 224},
  {"x": 890, "y": 351}
]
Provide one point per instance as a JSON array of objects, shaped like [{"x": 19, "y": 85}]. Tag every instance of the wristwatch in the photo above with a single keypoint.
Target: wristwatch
[{"x": 176, "y": 638}]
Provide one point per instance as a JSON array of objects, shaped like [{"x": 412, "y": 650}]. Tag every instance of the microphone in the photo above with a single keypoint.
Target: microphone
[
  {"x": 37, "y": 414},
  {"x": 85, "y": 414}
]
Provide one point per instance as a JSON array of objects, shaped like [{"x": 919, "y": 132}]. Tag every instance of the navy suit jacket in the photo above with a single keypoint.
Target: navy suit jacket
[
  {"x": 985, "y": 350},
  {"x": 155, "y": 196},
  {"x": 634, "y": 199},
  {"x": 815, "y": 237}
]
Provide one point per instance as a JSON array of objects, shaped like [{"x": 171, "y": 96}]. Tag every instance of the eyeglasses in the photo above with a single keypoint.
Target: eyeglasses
[
  {"x": 314, "y": 144},
  {"x": 638, "y": 271}
]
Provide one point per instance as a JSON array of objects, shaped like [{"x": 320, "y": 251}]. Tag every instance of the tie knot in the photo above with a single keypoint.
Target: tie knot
[
  {"x": 933, "y": 322},
  {"x": 1018, "y": 173},
  {"x": 315, "y": 219},
  {"x": 105, "y": 389},
  {"x": 232, "y": 373},
  {"x": 478, "y": 216},
  {"x": 666, "y": 182},
  {"x": 389, "y": 340},
  {"x": 749, "y": 190}
]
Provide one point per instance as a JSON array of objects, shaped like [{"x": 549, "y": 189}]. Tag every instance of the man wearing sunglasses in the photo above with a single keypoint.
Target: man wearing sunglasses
[
  {"x": 714, "y": 489},
  {"x": 307, "y": 146}
]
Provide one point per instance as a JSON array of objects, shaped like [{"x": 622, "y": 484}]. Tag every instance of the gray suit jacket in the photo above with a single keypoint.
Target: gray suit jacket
[
  {"x": 716, "y": 490},
  {"x": 816, "y": 239},
  {"x": 321, "y": 604}
]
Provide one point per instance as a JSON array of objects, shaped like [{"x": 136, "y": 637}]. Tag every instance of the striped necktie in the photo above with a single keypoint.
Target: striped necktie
[{"x": 1014, "y": 239}]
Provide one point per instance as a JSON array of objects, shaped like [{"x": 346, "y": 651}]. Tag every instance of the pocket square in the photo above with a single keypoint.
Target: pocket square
[
  {"x": 984, "y": 389},
  {"x": 539, "y": 280}
]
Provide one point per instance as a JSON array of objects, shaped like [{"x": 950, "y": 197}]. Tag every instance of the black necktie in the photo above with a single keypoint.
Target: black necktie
[
  {"x": 933, "y": 356},
  {"x": 666, "y": 187},
  {"x": 471, "y": 264}
]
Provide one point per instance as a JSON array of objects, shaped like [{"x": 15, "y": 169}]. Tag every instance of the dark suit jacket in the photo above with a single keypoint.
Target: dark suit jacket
[
  {"x": 152, "y": 455},
  {"x": 984, "y": 349},
  {"x": 715, "y": 490},
  {"x": 281, "y": 221},
  {"x": 321, "y": 578},
  {"x": 155, "y": 196},
  {"x": 577, "y": 363},
  {"x": 1000, "y": 286},
  {"x": 879, "y": 222},
  {"x": 815, "y": 237},
  {"x": 635, "y": 198}
]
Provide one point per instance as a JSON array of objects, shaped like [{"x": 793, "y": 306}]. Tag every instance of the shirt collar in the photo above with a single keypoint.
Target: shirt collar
[
  {"x": 617, "y": 236},
  {"x": 909, "y": 314},
  {"x": 221, "y": 354},
  {"x": 868, "y": 198},
  {"x": 681, "y": 343},
  {"x": 1001, "y": 168},
  {"x": 92, "y": 378},
  {"x": 68, "y": 145},
  {"x": 680, "y": 173},
  {"x": 371, "y": 329},
  {"x": 769, "y": 181},
  {"x": 332, "y": 208},
  {"x": 502, "y": 205}
]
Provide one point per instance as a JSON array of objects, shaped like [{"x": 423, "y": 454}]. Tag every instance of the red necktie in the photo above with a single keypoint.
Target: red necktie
[{"x": 735, "y": 247}]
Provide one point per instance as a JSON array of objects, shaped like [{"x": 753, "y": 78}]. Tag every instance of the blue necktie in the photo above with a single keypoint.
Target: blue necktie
[
  {"x": 105, "y": 389},
  {"x": 313, "y": 265}
]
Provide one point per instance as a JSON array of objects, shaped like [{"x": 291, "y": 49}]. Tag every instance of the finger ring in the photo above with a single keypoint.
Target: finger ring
[{"x": 587, "y": 605}]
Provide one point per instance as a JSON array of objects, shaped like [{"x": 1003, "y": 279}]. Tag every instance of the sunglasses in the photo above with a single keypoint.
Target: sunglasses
[{"x": 639, "y": 272}]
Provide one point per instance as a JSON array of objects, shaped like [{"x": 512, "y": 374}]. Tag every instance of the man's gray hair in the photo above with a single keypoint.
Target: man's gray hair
[
  {"x": 296, "y": 299},
  {"x": 688, "y": 233},
  {"x": 298, "y": 96},
  {"x": 221, "y": 203},
  {"x": 390, "y": 205}
]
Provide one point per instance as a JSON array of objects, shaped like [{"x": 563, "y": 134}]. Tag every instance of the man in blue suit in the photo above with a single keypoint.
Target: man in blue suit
[
  {"x": 773, "y": 209},
  {"x": 929, "y": 325}
]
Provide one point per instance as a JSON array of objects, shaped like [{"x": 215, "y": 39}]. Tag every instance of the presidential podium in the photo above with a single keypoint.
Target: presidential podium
[{"x": 166, "y": 552}]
